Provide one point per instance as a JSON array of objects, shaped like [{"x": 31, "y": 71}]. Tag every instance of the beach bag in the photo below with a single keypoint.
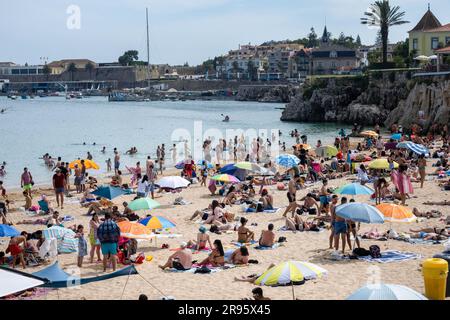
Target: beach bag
[
  {"x": 361, "y": 252},
  {"x": 282, "y": 239},
  {"x": 203, "y": 269},
  {"x": 375, "y": 251}
]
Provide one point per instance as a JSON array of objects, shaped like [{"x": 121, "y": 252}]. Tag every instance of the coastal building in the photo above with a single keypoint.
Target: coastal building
[
  {"x": 428, "y": 35},
  {"x": 60, "y": 66},
  {"x": 299, "y": 64},
  {"x": 330, "y": 58},
  {"x": 10, "y": 68}
]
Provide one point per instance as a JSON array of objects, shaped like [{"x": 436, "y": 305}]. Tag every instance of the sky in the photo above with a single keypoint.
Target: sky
[{"x": 180, "y": 30}]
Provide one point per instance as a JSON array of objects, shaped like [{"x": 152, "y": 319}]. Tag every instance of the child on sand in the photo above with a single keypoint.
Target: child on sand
[{"x": 82, "y": 245}]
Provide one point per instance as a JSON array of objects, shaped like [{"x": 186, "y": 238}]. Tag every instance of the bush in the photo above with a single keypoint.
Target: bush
[
  {"x": 392, "y": 77},
  {"x": 377, "y": 75}
]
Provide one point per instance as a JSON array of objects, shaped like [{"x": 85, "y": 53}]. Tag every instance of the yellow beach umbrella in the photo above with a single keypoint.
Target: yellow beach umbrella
[
  {"x": 290, "y": 272},
  {"x": 369, "y": 133},
  {"x": 381, "y": 164},
  {"x": 89, "y": 164},
  {"x": 396, "y": 213}
]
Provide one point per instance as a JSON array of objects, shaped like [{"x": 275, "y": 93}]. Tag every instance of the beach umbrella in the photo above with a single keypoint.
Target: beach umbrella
[
  {"x": 385, "y": 292},
  {"x": 369, "y": 133},
  {"x": 354, "y": 189},
  {"x": 414, "y": 147},
  {"x": 360, "y": 212},
  {"x": 231, "y": 169},
  {"x": 422, "y": 58},
  {"x": 327, "y": 151},
  {"x": 290, "y": 273},
  {"x": 396, "y": 136},
  {"x": 172, "y": 182},
  {"x": 133, "y": 230},
  {"x": 381, "y": 164},
  {"x": 227, "y": 178},
  {"x": 248, "y": 166},
  {"x": 180, "y": 165},
  {"x": 157, "y": 222},
  {"x": 8, "y": 231},
  {"x": 304, "y": 146},
  {"x": 89, "y": 164},
  {"x": 287, "y": 160},
  {"x": 396, "y": 213},
  {"x": 143, "y": 204},
  {"x": 108, "y": 192}
]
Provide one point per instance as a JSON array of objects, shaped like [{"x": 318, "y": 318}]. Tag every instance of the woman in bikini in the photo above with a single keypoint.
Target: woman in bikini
[
  {"x": 244, "y": 234},
  {"x": 202, "y": 240},
  {"x": 217, "y": 257},
  {"x": 422, "y": 164}
]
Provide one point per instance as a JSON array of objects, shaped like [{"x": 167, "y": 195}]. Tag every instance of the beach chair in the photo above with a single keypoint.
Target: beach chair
[{"x": 32, "y": 259}]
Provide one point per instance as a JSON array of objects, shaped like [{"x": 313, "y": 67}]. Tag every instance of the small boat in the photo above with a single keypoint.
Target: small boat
[
  {"x": 13, "y": 97},
  {"x": 24, "y": 96}
]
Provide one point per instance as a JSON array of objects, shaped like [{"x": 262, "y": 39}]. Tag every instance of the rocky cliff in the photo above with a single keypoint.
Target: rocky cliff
[
  {"x": 387, "y": 97},
  {"x": 266, "y": 93}
]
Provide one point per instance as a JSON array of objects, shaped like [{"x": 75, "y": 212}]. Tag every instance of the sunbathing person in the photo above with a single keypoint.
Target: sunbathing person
[
  {"x": 240, "y": 256},
  {"x": 437, "y": 203},
  {"x": 428, "y": 236},
  {"x": 294, "y": 224},
  {"x": 217, "y": 257},
  {"x": 231, "y": 196},
  {"x": 202, "y": 240},
  {"x": 267, "y": 238},
  {"x": 428, "y": 214},
  {"x": 253, "y": 277},
  {"x": 244, "y": 234},
  {"x": 437, "y": 230},
  {"x": 310, "y": 205},
  {"x": 267, "y": 200},
  {"x": 180, "y": 260}
]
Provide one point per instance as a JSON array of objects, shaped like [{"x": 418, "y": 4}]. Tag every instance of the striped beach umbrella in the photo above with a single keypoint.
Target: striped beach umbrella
[
  {"x": 290, "y": 272},
  {"x": 287, "y": 160},
  {"x": 360, "y": 212},
  {"x": 354, "y": 189},
  {"x": 227, "y": 178},
  {"x": 414, "y": 147},
  {"x": 396, "y": 213},
  {"x": 385, "y": 292},
  {"x": 57, "y": 232},
  {"x": 143, "y": 204},
  {"x": 157, "y": 222}
]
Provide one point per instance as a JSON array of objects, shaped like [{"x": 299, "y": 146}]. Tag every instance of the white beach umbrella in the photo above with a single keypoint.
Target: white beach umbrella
[{"x": 172, "y": 182}]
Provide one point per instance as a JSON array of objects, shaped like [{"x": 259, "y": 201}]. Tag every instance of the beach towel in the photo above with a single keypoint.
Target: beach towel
[
  {"x": 285, "y": 229},
  {"x": 239, "y": 244},
  {"x": 275, "y": 246},
  {"x": 418, "y": 241},
  {"x": 392, "y": 256},
  {"x": 251, "y": 210}
]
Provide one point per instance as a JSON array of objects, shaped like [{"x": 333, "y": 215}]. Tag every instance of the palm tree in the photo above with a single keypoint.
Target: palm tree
[
  {"x": 89, "y": 67},
  {"x": 382, "y": 15},
  {"x": 72, "y": 68},
  {"x": 46, "y": 70}
]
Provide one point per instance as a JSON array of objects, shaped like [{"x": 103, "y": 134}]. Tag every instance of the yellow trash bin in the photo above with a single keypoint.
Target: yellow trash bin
[{"x": 435, "y": 277}]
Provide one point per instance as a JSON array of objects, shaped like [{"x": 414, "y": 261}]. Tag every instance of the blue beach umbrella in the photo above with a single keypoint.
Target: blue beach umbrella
[
  {"x": 360, "y": 212},
  {"x": 8, "y": 231},
  {"x": 180, "y": 165},
  {"x": 287, "y": 160},
  {"x": 354, "y": 189},
  {"x": 232, "y": 170},
  {"x": 396, "y": 136},
  {"x": 385, "y": 292},
  {"x": 108, "y": 192}
]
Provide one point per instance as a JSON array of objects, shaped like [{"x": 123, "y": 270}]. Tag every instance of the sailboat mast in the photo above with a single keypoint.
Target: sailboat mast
[{"x": 148, "y": 52}]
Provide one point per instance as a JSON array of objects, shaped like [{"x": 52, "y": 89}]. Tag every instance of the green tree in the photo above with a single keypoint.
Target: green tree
[
  {"x": 341, "y": 39},
  {"x": 89, "y": 67},
  {"x": 358, "y": 41},
  {"x": 46, "y": 70},
  {"x": 312, "y": 39},
  {"x": 382, "y": 15},
  {"x": 72, "y": 68},
  {"x": 252, "y": 70},
  {"x": 129, "y": 58}
]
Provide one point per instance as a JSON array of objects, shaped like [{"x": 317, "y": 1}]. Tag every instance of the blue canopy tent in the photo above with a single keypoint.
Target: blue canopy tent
[
  {"x": 230, "y": 169},
  {"x": 108, "y": 192},
  {"x": 58, "y": 278}
]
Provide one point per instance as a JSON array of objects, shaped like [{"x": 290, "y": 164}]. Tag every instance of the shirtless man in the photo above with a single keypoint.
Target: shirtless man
[
  {"x": 291, "y": 195},
  {"x": 323, "y": 194},
  {"x": 333, "y": 205},
  {"x": 309, "y": 203},
  {"x": 16, "y": 247},
  {"x": 180, "y": 260},
  {"x": 267, "y": 238}
]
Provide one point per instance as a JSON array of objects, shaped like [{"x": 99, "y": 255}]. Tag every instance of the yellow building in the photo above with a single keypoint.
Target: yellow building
[
  {"x": 428, "y": 35},
  {"x": 58, "y": 67}
]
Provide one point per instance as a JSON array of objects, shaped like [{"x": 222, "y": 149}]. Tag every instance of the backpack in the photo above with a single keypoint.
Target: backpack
[
  {"x": 203, "y": 269},
  {"x": 375, "y": 251},
  {"x": 108, "y": 232}
]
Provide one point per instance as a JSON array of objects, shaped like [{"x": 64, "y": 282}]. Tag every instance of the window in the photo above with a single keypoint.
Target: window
[
  {"x": 434, "y": 43},
  {"x": 447, "y": 41},
  {"x": 415, "y": 45},
  {"x": 333, "y": 54}
]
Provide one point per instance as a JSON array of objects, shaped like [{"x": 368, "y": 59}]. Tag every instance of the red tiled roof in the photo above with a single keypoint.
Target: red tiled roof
[
  {"x": 443, "y": 50},
  {"x": 443, "y": 28}
]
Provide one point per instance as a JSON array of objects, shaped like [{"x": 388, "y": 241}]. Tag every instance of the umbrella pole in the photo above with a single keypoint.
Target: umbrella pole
[{"x": 293, "y": 290}]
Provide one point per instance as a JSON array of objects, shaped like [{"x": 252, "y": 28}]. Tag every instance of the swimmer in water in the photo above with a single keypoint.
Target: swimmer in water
[{"x": 104, "y": 150}]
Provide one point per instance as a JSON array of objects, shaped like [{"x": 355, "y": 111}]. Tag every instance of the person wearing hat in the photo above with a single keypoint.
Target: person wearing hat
[
  {"x": 59, "y": 183},
  {"x": 180, "y": 260},
  {"x": 202, "y": 240}
]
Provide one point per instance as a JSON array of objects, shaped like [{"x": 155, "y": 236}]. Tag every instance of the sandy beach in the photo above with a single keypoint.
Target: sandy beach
[{"x": 344, "y": 277}]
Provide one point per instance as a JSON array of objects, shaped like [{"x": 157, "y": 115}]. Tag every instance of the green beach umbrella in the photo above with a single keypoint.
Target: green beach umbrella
[{"x": 143, "y": 204}]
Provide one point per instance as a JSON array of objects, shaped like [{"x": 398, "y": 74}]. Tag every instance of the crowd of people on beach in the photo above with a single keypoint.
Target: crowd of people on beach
[{"x": 314, "y": 212}]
